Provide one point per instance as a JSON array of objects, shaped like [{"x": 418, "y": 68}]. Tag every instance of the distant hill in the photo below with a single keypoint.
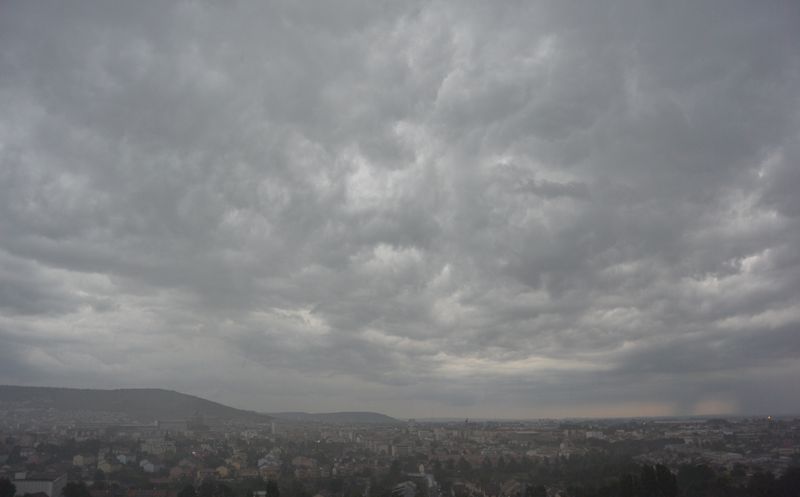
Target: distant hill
[
  {"x": 146, "y": 404},
  {"x": 336, "y": 417}
]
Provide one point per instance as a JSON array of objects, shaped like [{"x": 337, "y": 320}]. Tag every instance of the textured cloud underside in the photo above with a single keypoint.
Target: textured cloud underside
[{"x": 430, "y": 208}]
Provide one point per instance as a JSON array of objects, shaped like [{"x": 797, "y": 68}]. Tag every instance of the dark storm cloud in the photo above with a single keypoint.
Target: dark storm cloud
[{"x": 520, "y": 209}]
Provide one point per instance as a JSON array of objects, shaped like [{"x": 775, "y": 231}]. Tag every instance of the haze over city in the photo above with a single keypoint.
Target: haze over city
[{"x": 424, "y": 209}]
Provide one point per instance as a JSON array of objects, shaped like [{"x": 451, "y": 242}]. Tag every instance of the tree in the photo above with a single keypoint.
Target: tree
[
  {"x": 223, "y": 490},
  {"x": 789, "y": 483},
  {"x": 627, "y": 486},
  {"x": 648, "y": 481},
  {"x": 99, "y": 481},
  {"x": 695, "y": 479},
  {"x": 536, "y": 491},
  {"x": 762, "y": 485},
  {"x": 298, "y": 489},
  {"x": 250, "y": 485},
  {"x": 207, "y": 488},
  {"x": 666, "y": 482},
  {"x": 272, "y": 489},
  {"x": 7, "y": 489},
  {"x": 188, "y": 491},
  {"x": 75, "y": 489},
  {"x": 526, "y": 463}
]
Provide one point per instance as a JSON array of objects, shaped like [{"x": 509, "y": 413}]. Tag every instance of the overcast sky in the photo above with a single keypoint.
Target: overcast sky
[{"x": 444, "y": 208}]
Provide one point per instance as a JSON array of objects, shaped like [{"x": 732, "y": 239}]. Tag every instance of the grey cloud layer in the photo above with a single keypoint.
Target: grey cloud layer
[{"x": 515, "y": 209}]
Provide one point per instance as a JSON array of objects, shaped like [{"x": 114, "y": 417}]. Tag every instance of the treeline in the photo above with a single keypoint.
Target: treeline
[
  {"x": 596, "y": 474},
  {"x": 586, "y": 476},
  {"x": 691, "y": 481}
]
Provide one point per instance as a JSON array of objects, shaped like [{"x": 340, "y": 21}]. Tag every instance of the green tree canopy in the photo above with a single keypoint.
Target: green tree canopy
[
  {"x": 7, "y": 489},
  {"x": 187, "y": 491},
  {"x": 272, "y": 489},
  {"x": 75, "y": 489}
]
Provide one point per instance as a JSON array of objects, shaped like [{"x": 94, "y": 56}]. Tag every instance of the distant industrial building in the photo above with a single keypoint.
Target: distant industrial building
[{"x": 31, "y": 484}]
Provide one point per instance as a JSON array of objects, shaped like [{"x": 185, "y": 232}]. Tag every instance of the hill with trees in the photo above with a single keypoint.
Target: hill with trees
[{"x": 146, "y": 404}]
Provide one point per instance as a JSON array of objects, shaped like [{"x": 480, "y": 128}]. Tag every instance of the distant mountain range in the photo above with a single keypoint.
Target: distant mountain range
[
  {"x": 146, "y": 404},
  {"x": 149, "y": 404},
  {"x": 336, "y": 417}
]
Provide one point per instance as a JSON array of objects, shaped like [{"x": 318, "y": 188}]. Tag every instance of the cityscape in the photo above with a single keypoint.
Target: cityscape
[{"x": 362, "y": 454}]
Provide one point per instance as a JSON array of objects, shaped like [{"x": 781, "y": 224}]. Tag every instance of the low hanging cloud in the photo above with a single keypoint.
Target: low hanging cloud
[{"x": 425, "y": 208}]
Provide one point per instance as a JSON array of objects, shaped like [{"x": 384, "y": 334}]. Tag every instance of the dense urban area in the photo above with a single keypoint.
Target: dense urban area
[{"x": 55, "y": 453}]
